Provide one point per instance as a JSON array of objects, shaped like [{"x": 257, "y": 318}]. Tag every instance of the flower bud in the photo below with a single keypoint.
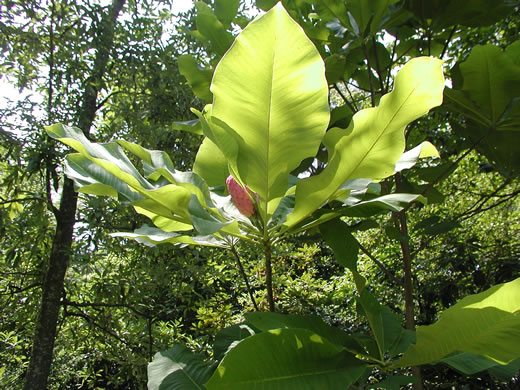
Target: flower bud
[{"x": 240, "y": 196}]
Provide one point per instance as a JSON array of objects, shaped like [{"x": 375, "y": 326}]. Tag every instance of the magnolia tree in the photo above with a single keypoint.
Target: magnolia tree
[{"x": 269, "y": 113}]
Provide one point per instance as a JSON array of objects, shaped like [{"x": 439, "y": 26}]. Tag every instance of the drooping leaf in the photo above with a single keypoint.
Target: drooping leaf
[
  {"x": 396, "y": 338},
  {"x": 178, "y": 369},
  {"x": 286, "y": 359},
  {"x": 468, "y": 363},
  {"x": 198, "y": 78},
  {"x": 117, "y": 171},
  {"x": 157, "y": 163},
  {"x": 270, "y": 104},
  {"x": 505, "y": 373},
  {"x": 374, "y": 141},
  {"x": 163, "y": 223},
  {"x": 212, "y": 29},
  {"x": 409, "y": 158},
  {"x": 486, "y": 324},
  {"x": 391, "y": 202},
  {"x": 90, "y": 178},
  {"x": 373, "y": 311},
  {"x": 346, "y": 248},
  {"x": 191, "y": 126},
  {"x": 169, "y": 197},
  {"x": 203, "y": 221}
]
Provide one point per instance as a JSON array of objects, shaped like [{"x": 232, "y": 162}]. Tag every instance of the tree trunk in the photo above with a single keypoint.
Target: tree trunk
[{"x": 46, "y": 325}]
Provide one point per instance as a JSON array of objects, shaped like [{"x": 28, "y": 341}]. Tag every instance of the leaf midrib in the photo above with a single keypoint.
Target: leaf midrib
[{"x": 284, "y": 377}]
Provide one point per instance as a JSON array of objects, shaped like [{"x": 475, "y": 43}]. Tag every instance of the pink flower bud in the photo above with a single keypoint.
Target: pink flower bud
[{"x": 240, "y": 197}]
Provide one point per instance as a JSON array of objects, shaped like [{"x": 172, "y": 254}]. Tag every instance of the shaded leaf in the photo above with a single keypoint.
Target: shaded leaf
[
  {"x": 266, "y": 321},
  {"x": 191, "y": 126},
  {"x": 178, "y": 369},
  {"x": 211, "y": 164},
  {"x": 212, "y": 29},
  {"x": 198, "y": 78},
  {"x": 286, "y": 358},
  {"x": 229, "y": 337}
]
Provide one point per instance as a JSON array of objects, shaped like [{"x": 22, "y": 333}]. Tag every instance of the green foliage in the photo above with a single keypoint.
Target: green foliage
[
  {"x": 253, "y": 144},
  {"x": 124, "y": 302}
]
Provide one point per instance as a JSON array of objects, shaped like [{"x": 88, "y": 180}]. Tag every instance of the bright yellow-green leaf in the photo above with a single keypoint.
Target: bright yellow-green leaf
[
  {"x": 211, "y": 164},
  {"x": 486, "y": 324},
  {"x": 374, "y": 141},
  {"x": 270, "y": 104}
]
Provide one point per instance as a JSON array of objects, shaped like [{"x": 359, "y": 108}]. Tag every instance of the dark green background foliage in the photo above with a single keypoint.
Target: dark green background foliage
[{"x": 122, "y": 302}]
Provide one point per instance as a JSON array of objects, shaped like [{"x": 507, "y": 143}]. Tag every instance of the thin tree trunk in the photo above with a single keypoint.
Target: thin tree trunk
[
  {"x": 402, "y": 225},
  {"x": 46, "y": 325}
]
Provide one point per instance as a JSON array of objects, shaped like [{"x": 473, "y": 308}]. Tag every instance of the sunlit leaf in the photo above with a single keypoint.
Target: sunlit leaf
[
  {"x": 271, "y": 101},
  {"x": 374, "y": 141},
  {"x": 486, "y": 324}
]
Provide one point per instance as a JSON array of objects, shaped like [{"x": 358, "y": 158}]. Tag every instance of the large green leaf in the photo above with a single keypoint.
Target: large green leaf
[
  {"x": 490, "y": 79},
  {"x": 266, "y": 321},
  {"x": 374, "y": 141},
  {"x": 210, "y": 163},
  {"x": 178, "y": 369},
  {"x": 486, "y": 324},
  {"x": 286, "y": 359},
  {"x": 271, "y": 102},
  {"x": 486, "y": 90},
  {"x": 229, "y": 337}
]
